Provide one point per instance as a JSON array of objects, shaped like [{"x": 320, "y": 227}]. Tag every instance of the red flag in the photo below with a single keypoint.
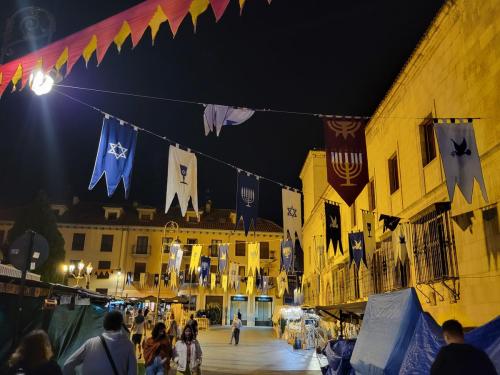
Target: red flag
[
  {"x": 219, "y": 7},
  {"x": 346, "y": 159}
]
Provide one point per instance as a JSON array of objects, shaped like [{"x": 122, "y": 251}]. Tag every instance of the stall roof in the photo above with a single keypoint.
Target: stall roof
[{"x": 357, "y": 308}]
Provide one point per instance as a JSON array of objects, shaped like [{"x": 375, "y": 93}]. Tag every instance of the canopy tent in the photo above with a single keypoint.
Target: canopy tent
[{"x": 397, "y": 337}]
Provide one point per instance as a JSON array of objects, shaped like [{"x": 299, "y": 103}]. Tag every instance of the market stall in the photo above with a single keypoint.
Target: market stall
[{"x": 297, "y": 325}]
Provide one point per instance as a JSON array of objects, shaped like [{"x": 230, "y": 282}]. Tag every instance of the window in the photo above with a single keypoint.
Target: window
[
  {"x": 142, "y": 245},
  {"x": 104, "y": 265},
  {"x": 146, "y": 217},
  {"x": 189, "y": 246},
  {"x": 427, "y": 143},
  {"x": 166, "y": 241},
  {"x": 78, "y": 242},
  {"x": 107, "y": 243},
  {"x": 264, "y": 250},
  {"x": 213, "y": 268},
  {"x": 371, "y": 195},
  {"x": 241, "y": 270},
  {"x": 164, "y": 267},
  {"x": 353, "y": 215},
  {"x": 113, "y": 216},
  {"x": 393, "y": 174},
  {"x": 214, "y": 248},
  {"x": 138, "y": 269},
  {"x": 102, "y": 291},
  {"x": 240, "y": 248},
  {"x": 2, "y": 235}
]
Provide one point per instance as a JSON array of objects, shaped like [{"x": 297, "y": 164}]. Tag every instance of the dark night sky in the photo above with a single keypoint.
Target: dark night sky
[{"x": 327, "y": 56}]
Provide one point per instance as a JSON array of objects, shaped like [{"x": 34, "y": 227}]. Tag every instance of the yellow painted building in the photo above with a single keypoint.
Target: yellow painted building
[
  {"x": 130, "y": 242},
  {"x": 453, "y": 72}
]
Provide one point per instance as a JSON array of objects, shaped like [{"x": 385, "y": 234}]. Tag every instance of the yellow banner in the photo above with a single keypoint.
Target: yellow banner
[
  {"x": 195, "y": 258},
  {"x": 212, "y": 281},
  {"x": 253, "y": 258},
  {"x": 250, "y": 285},
  {"x": 224, "y": 283}
]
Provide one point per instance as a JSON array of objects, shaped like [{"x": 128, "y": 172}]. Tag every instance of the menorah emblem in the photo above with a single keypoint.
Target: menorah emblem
[
  {"x": 344, "y": 127},
  {"x": 347, "y": 166},
  {"x": 248, "y": 195},
  {"x": 184, "y": 171}
]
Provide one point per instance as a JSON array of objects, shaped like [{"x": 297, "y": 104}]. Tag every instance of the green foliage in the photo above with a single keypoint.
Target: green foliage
[{"x": 39, "y": 217}]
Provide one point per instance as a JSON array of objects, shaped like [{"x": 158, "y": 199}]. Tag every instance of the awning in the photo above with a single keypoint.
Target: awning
[
  {"x": 8, "y": 270},
  {"x": 342, "y": 311}
]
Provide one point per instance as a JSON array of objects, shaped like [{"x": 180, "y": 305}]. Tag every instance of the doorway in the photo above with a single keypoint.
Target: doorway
[
  {"x": 264, "y": 311},
  {"x": 239, "y": 304},
  {"x": 214, "y": 309}
]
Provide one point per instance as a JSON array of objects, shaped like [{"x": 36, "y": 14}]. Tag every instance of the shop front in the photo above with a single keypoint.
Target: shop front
[
  {"x": 239, "y": 304},
  {"x": 264, "y": 311}
]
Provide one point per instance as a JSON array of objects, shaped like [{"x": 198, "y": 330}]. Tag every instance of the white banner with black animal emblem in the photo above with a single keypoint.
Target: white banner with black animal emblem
[
  {"x": 182, "y": 179},
  {"x": 292, "y": 215},
  {"x": 457, "y": 144}
]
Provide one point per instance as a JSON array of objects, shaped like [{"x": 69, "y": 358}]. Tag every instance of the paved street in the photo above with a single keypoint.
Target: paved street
[{"x": 259, "y": 352}]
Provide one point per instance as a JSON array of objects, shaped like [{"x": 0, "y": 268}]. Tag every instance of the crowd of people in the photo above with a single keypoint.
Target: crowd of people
[{"x": 117, "y": 350}]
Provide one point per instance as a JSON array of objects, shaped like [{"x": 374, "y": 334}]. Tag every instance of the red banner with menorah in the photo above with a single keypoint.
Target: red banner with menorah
[{"x": 346, "y": 158}]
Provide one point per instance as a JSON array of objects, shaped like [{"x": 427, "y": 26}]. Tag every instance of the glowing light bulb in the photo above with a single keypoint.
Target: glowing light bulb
[
  {"x": 71, "y": 268},
  {"x": 65, "y": 268},
  {"x": 80, "y": 266},
  {"x": 89, "y": 268},
  {"x": 41, "y": 83},
  {"x": 119, "y": 273}
]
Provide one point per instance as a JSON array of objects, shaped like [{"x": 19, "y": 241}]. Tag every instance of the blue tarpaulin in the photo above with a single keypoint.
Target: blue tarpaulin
[{"x": 338, "y": 354}]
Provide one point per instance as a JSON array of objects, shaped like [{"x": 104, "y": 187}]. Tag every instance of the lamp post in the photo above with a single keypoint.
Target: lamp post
[{"x": 82, "y": 272}]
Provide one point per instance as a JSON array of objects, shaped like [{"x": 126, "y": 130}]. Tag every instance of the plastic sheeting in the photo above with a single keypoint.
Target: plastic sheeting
[
  {"x": 338, "y": 354},
  {"x": 428, "y": 340},
  {"x": 386, "y": 332}
]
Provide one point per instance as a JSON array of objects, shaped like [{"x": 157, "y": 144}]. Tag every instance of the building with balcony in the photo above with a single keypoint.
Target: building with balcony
[
  {"x": 128, "y": 248},
  {"x": 453, "y": 248}
]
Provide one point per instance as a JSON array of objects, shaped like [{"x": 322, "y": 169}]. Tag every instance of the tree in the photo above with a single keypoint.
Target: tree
[{"x": 39, "y": 217}]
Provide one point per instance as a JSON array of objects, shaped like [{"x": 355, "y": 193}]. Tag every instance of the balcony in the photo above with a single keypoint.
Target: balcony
[{"x": 141, "y": 251}]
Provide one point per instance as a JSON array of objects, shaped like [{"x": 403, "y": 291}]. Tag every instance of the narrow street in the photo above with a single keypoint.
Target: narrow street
[{"x": 258, "y": 352}]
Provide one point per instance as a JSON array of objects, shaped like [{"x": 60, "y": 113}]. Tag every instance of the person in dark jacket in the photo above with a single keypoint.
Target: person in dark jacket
[
  {"x": 157, "y": 351},
  {"x": 459, "y": 358},
  {"x": 33, "y": 356},
  {"x": 193, "y": 323}
]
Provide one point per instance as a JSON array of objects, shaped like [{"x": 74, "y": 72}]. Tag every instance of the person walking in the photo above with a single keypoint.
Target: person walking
[
  {"x": 157, "y": 351},
  {"x": 236, "y": 327},
  {"x": 33, "y": 356},
  {"x": 109, "y": 353},
  {"x": 188, "y": 354},
  {"x": 193, "y": 323},
  {"x": 172, "y": 329},
  {"x": 459, "y": 358},
  {"x": 138, "y": 331}
]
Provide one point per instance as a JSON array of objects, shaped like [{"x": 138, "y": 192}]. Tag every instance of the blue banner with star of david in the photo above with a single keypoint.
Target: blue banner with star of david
[
  {"x": 357, "y": 248},
  {"x": 115, "y": 155},
  {"x": 247, "y": 200}
]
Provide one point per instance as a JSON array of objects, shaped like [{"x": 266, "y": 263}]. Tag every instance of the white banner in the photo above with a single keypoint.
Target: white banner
[{"x": 292, "y": 214}]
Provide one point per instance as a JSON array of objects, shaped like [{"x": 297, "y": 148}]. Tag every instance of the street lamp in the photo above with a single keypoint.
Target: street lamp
[{"x": 69, "y": 270}]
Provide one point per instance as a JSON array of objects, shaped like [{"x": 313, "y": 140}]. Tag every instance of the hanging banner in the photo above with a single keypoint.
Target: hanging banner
[
  {"x": 195, "y": 258},
  {"x": 282, "y": 282},
  {"x": 173, "y": 279},
  {"x": 223, "y": 255},
  {"x": 460, "y": 157},
  {"x": 399, "y": 236},
  {"x": 182, "y": 179},
  {"x": 247, "y": 200},
  {"x": 250, "y": 285},
  {"x": 217, "y": 116},
  {"x": 369, "y": 233},
  {"x": 156, "y": 280},
  {"x": 175, "y": 258},
  {"x": 253, "y": 249},
  {"x": 292, "y": 215},
  {"x": 357, "y": 249},
  {"x": 346, "y": 157},
  {"x": 115, "y": 155},
  {"x": 165, "y": 279},
  {"x": 286, "y": 255},
  {"x": 233, "y": 275},
  {"x": 333, "y": 228},
  {"x": 130, "y": 278},
  {"x": 224, "y": 283},
  {"x": 212, "y": 281},
  {"x": 205, "y": 270},
  {"x": 390, "y": 222}
]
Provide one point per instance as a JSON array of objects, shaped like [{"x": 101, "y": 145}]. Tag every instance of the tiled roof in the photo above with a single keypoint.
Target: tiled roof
[{"x": 89, "y": 213}]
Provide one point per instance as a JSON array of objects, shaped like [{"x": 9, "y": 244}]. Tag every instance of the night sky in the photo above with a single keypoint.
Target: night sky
[{"x": 329, "y": 56}]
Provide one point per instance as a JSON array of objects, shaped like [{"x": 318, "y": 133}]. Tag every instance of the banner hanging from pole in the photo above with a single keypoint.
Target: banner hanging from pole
[
  {"x": 333, "y": 227},
  {"x": 369, "y": 233},
  {"x": 292, "y": 214},
  {"x": 247, "y": 200}
]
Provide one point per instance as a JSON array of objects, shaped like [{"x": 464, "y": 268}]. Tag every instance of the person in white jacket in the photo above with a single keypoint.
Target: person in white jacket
[
  {"x": 93, "y": 355},
  {"x": 187, "y": 353}
]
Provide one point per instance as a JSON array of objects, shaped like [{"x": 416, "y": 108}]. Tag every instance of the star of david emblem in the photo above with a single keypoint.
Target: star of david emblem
[
  {"x": 117, "y": 150},
  {"x": 292, "y": 211}
]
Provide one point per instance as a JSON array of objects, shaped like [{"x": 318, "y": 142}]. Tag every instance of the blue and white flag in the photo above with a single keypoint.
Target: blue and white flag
[
  {"x": 217, "y": 116},
  {"x": 247, "y": 200},
  {"x": 175, "y": 258},
  {"x": 357, "y": 248},
  {"x": 286, "y": 255},
  {"x": 205, "y": 271},
  {"x": 115, "y": 155},
  {"x": 223, "y": 254}
]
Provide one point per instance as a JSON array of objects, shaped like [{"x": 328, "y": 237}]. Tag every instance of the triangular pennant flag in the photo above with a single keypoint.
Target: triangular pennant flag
[
  {"x": 173, "y": 279},
  {"x": 292, "y": 214},
  {"x": 399, "y": 244},
  {"x": 250, "y": 285},
  {"x": 247, "y": 200},
  {"x": 286, "y": 255},
  {"x": 217, "y": 116},
  {"x": 205, "y": 270},
  {"x": 242, "y": 4},
  {"x": 390, "y": 222},
  {"x": 224, "y": 283},
  {"x": 197, "y": 7},
  {"x": 253, "y": 258},
  {"x": 460, "y": 157},
  {"x": 233, "y": 275},
  {"x": 223, "y": 257},
  {"x": 182, "y": 179},
  {"x": 175, "y": 11},
  {"x": 195, "y": 258},
  {"x": 346, "y": 157},
  {"x": 369, "y": 233},
  {"x": 219, "y": 7},
  {"x": 105, "y": 38},
  {"x": 357, "y": 249},
  {"x": 213, "y": 277},
  {"x": 333, "y": 227},
  {"x": 115, "y": 155},
  {"x": 139, "y": 24}
]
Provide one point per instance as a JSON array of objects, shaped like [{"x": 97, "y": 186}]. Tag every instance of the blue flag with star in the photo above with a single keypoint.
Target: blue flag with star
[
  {"x": 115, "y": 156},
  {"x": 357, "y": 248}
]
